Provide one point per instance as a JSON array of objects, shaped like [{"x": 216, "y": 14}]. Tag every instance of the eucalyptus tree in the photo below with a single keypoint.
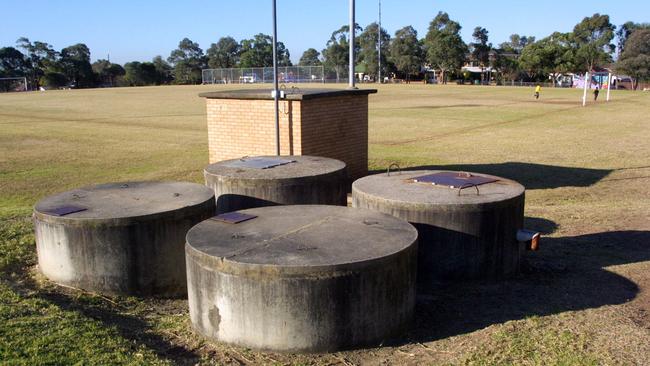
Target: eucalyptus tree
[
  {"x": 224, "y": 53},
  {"x": 443, "y": 46},
  {"x": 593, "y": 42},
  {"x": 406, "y": 51},
  {"x": 187, "y": 62},
  {"x": 635, "y": 60},
  {"x": 335, "y": 54}
]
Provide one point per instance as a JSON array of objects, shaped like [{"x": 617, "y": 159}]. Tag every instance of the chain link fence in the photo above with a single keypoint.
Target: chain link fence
[{"x": 286, "y": 74}]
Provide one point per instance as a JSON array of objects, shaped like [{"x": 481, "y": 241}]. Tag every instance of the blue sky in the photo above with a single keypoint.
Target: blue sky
[{"x": 132, "y": 30}]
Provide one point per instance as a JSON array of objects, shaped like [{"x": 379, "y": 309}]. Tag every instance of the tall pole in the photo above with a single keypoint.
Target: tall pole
[
  {"x": 351, "y": 67},
  {"x": 379, "y": 37},
  {"x": 584, "y": 92},
  {"x": 609, "y": 84},
  {"x": 275, "y": 83}
]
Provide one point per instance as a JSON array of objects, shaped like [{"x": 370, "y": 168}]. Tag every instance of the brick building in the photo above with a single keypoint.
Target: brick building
[{"x": 321, "y": 122}]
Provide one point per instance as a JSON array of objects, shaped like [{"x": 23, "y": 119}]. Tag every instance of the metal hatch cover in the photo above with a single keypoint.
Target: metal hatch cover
[
  {"x": 233, "y": 217},
  {"x": 259, "y": 163},
  {"x": 454, "y": 179},
  {"x": 64, "y": 210}
]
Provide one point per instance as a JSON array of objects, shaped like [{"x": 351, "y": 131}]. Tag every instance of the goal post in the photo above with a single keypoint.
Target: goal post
[{"x": 13, "y": 84}]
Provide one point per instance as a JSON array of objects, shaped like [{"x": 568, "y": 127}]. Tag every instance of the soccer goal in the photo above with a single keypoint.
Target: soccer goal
[{"x": 13, "y": 84}]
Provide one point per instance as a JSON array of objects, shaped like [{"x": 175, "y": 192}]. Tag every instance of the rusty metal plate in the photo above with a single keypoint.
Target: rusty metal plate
[
  {"x": 454, "y": 179},
  {"x": 64, "y": 210},
  {"x": 233, "y": 217},
  {"x": 259, "y": 163}
]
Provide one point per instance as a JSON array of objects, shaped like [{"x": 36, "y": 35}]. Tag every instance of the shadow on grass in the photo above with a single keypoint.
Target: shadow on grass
[
  {"x": 530, "y": 175},
  {"x": 130, "y": 327},
  {"x": 566, "y": 275}
]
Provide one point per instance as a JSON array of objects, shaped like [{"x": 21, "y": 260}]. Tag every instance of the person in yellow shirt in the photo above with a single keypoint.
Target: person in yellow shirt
[{"x": 537, "y": 90}]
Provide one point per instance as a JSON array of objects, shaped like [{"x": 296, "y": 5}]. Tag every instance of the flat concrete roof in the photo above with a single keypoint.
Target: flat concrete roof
[
  {"x": 304, "y": 166},
  {"x": 291, "y": 94},
  {"x": 124, "y": 201},
  {"x": 399, "y": 187},
  {"x": 301, "y": 239}
]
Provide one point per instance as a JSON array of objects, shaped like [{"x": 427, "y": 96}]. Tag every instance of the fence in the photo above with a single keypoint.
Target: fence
[{"x": 286, "y": 74}]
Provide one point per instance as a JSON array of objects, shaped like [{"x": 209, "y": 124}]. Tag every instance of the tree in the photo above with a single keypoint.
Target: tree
[
  {"x": 405, "y": 51},
  {"x": 444, "y": 47},
  {"x": 635, "y": 60},
  {"x": 310, "y": 58},
  {"x": 551, "y": 55},
  {"x": 140, "y": 73},
  {"x": 107, "y": 72},
  {"x": 53, "y": 80},
  {"x": 368, "y": 48},
  {"x": 506, "y": 66},
  {"x": 592, "y": 37},
  {"x": 187, "y": 62},
  {"x": 516, "y": 43},
  {"x": 163, "y": 70},
  {"x": 258, "y": 52},
  {"x": 13, "y": 63},
  {"x": 480, "y": 49},
  {"x": 224, "y": 53},
  {"x": 336, "y": 53},
  {"x": 624, "y": 32},
  {"x": 42, "y": 57},
  {"x": 75, "y": 61}
]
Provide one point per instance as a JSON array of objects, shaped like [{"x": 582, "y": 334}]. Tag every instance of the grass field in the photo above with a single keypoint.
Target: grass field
[{"x": 583, "y": 299}]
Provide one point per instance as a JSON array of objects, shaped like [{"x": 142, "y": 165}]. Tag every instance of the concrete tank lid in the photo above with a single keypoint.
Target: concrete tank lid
[
  {"x": 124, "y": 200},
  {"x": 399, "y": 187},
  {"x": 304, "y": 166},
  {"x": 301, "y": 238},
  {"x": 291, "y": 94}
]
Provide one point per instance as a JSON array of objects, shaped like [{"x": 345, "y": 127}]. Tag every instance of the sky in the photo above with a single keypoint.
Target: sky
[{"x": 138, "y": 30}]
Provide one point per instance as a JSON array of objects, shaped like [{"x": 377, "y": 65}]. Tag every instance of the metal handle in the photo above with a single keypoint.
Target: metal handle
[
  {"x": 467, "y": 185},
  {"x": 393, "y": 165}
]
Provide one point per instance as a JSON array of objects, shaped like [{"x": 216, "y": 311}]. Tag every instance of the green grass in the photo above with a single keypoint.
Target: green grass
[{"x": 582, "y": 299}]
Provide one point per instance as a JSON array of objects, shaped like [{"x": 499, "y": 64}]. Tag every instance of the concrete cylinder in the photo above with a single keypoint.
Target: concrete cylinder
[
  {"x": 128, "y": 238},
  {"x": 307, "y": 180},
  {"x": 303, "y": 278},
  {"x": 464, "y": 234}
]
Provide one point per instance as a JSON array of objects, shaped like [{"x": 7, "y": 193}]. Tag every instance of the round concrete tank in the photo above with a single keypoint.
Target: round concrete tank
[
  {"x": 272, "y": 180},
  {"x": 468, "y": 233},
  {"x": 120, "y": 238},
  {"x": 302, "y": 278}
]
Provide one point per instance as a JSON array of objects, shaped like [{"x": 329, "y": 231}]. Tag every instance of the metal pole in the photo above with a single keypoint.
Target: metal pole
[
  {"x": 379, "y": 36},
  {"x": 584, "y": 92},
  {"x": 351, "y": 67},
  {"x": 276, "y": 93},
  {"x": 609, "y": 84}
]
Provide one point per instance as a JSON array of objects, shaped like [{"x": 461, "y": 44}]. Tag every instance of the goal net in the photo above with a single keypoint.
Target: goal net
[{"x": 13, "y": 84}]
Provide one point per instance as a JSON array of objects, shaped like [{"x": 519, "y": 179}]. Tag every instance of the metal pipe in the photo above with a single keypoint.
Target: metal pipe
[
  {"x": 379, "y": 37},
  {"x": 351, "y": 61},
  {"x": 530, "y": 238},
  {"x": 276, "y": 92}
]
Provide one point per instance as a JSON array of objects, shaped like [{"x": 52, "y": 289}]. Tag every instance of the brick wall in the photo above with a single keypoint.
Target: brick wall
[
  {"x": 337, "y": 127},
  {"x": 334, "y": 127}
]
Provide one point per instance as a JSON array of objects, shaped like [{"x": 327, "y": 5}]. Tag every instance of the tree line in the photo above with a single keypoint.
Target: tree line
[{"x": 404, "y": 55}]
